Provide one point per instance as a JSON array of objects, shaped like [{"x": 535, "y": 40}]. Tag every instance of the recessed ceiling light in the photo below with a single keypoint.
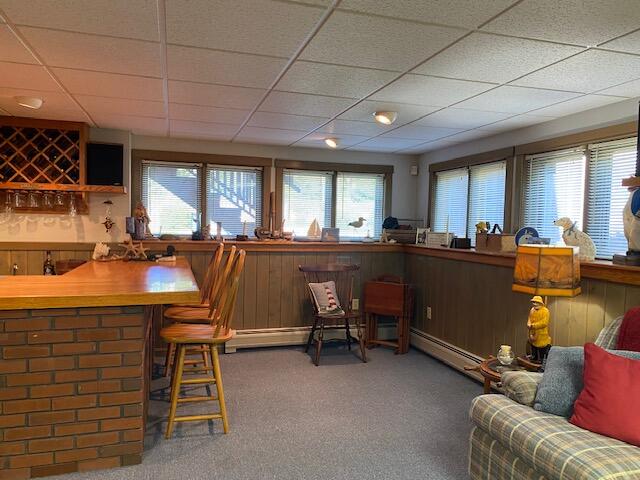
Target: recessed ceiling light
[
  {"x": 385, "y": 118},
  {"x": 29, "y": 102},
  {"x": 332, "y": 142}
]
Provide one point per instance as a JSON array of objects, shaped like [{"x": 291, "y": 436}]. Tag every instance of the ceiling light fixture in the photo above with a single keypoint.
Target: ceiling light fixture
[
  {"x": 29, "y": 102},
  {"x": 332, "y": 142},
  {"x": 385, "y": 118}
]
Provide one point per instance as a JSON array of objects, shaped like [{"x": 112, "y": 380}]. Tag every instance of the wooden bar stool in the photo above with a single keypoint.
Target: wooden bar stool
[
  {"x": 211, "y": 336},
  {"x": 388, "y": 296},
  {"x": 342, "y": 276},
  {"x": 200, "y": 313}
]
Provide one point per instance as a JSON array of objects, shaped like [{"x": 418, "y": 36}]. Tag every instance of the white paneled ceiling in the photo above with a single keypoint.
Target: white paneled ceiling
[{"x": 294, "y": 72}]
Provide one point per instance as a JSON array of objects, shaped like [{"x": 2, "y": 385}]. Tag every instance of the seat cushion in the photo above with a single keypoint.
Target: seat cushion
[
  {"x": 553, "y": 446},
  {"x": 521, "y": 386}
]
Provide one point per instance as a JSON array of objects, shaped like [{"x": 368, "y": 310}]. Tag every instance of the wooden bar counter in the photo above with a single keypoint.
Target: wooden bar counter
[{"x": 75, "y": 362}]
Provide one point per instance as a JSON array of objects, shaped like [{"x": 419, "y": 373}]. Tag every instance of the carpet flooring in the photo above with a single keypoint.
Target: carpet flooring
[{"x": 396, "y": 417}]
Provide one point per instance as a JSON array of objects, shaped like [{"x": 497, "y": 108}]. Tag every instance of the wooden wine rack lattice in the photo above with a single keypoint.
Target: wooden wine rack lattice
[{"x": 39, "y": 155}]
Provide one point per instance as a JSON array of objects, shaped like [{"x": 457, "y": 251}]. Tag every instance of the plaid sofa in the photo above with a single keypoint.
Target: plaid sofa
[{"x": 512, "y": 441}]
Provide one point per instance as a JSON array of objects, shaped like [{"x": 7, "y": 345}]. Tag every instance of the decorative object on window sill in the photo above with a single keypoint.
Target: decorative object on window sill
[
  {"x": 330, "y": 235},
  {"x": 48, "y": 268},
  {"x": 505, "y": 355},
  {"x": 421, "y": 236},
  {"x": 525, "y": 235},
  {"x": 549, "y": 271},
  {"x": 495, "y": 242},
  {"x": 142, "y": 230},
  {"x": 483, "y": 227},
  {"x": 314, "y": 231},
  {"x": 108, "y": 221},
  {"x": 462, "y": 243},
  {"x": 100, "y": 251},
  {"x": 439, "y": 239},
  {"x": 219, "y": 231},
  {"x": 132, "y": 251},
  {"x": 574, "y": 237},
  {"x": 244, "y": 237}
]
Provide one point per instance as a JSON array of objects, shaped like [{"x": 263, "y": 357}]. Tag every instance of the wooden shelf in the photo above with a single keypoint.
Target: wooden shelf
[
  {"x": 631, "y": 182},
  {"x": 62, "y": 187}
]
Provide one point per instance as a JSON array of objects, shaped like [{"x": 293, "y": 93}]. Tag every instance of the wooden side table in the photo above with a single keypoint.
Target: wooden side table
[{"x": 491, "y": 369}]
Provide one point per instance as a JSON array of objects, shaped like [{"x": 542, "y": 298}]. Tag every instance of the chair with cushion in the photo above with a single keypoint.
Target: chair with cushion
[
  {"x": 207, "y": 337},
  {"x": 330, "y": 290},
  {"x": 511, "y": 440}
]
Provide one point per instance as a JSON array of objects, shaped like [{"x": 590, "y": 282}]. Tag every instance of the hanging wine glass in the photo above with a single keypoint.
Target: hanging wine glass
[
  {"x": 8, "y": 207},
  {"x": 33, "y": 200},
  {"x": 58, "y": 202},
  {"x": 19, "y": 200},
  {"x": 47, "y": 201},
  {"x": 73, "y": 208}
]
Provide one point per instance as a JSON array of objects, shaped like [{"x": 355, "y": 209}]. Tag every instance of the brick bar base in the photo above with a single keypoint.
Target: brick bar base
[{"x": 72, "y": 390}]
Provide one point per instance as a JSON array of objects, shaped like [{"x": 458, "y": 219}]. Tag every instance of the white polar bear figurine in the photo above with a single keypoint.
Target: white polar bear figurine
[
  {"x": 631, "y": 219},
  {"x": 577, "y": 238}
]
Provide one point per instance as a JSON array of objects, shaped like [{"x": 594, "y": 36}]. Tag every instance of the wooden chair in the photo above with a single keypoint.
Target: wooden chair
[
  {"x": 216, "y": 333},
  {"x": 209, "y": 278},
  {"x": 343, "y": 276},
  {"x": 201, "y": 313}
]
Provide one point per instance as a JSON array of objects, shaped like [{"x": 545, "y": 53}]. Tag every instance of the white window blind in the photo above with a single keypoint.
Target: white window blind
[
  {"x": 553, "y": 187},
  {"x": 486, "y": 195},
  {"x": 359, "y": 195},
  {"x": 306, "y": 195},
  {"x": 171, "y": 194},
  {"x": 234, "y": 196},
  {"x": 609, "y": 163},
  {"x": 450, "y": 201}
]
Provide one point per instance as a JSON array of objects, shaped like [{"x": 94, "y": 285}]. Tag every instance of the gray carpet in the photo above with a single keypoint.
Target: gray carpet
[{"x": 396, "y": 417}]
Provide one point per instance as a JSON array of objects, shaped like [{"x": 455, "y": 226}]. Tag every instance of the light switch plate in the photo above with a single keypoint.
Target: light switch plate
[
  {"x": 355, "y": 304},
  {"x": 428, "y": 313}
]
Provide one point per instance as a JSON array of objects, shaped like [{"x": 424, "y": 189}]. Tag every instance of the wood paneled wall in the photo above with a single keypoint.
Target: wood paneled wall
[
  {"x": 272, "y": 293},
  {"x": 473, "y": 307}
]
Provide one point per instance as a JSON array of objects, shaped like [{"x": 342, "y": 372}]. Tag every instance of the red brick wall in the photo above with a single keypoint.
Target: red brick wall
[{"x": 71, "y": 390}]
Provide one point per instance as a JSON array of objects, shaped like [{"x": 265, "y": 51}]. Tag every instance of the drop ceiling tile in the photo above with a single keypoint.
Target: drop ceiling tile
[
  {"x": 210, "y": 66},
  {"x": 212, "y": 131},
  {"x": 200, "y": 113},
  {"x": 285, "y": 121},
  {"x": 250, "y": 26},
  {"x": 629, "y": 43},
  {"x": 461, "y": 118},
  {"x": 461, "y": 13},
  {"x": 137, "y": 125},
  {"x": 31, "y": 77},
  {"x": 493, "y": 58},
  {"x": 12, "y": 50},
  {"x": 350, "y": 127},
  {"x": 332, "y": 80},
  {"x": 519, "y": 121},
  {"x": 91, "y": 52},
  {"x": 57, "y": 105},
  {"x": 628, "y": 89},
  {"x": 470, "y": 135},
  {"x": 431, "y": 91},
  {"x": 104, "y": 105},
  {"x": 428, "y": 147},
  {"x": 419, "y": 132},
  {"x": 304, "y": 104},
  {"x": 582, "y": 22},
  {"x": 376, "y": 42},
  {"x": 509, "y": 99},
  {"x": 270, "y": 136},
  {"x": 587, "y": 72},
  {"x": 316, "y": 140},
  {"x": 364, "y": 111},
  {"x": 579, "y": 104},
  {"x": 386, "y": 144},
  {"x": 101, "y": 84},
  {"x": 214, "y": 95},
  {"x": 120, "y": 18}
]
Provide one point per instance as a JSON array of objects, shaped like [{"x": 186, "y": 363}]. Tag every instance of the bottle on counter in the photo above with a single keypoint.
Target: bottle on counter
[{"x": 48, "y": 268}]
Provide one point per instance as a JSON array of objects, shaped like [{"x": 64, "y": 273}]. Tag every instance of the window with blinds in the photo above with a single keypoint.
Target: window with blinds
[
  {"x": 450, "y": 201},
  {"x": 609, "y": 163},
  {"x": 486, "y": 195},
  {"x": 553, "y": 187},
  {"x": 171, "y": 194},
  {"x": 234, "y": 196},
  {"x": 306, "y": 195},
  {"x": 359, "y": 195}
]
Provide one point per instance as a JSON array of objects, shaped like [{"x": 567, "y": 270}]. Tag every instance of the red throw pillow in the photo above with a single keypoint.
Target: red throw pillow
[
  {"x": 629, "y": 335},
  {"x": 607, "y": 404}
]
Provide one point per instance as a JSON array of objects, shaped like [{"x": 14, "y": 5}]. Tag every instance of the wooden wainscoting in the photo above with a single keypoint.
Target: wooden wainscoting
[{"x": 473, "y": 307}]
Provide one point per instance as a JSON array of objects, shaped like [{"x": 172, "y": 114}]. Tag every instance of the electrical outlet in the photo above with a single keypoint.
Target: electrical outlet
[
  {"x": 428, "y": 313},
  {"x": 355, "y": 304}
]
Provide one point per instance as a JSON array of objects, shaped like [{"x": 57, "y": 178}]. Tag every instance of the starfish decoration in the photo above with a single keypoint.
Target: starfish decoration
[{"x": 134, "y": 251}]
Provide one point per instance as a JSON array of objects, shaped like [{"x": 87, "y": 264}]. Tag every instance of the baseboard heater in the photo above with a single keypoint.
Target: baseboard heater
[{"x": 445, "y": 352}]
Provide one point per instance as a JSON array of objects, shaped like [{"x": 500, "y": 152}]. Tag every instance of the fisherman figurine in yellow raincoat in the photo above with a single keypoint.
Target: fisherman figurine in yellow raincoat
[{"x": 538, "y": 325}]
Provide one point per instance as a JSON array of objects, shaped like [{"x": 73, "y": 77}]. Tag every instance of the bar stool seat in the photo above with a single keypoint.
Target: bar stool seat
[{"x": 200, "y": 334}]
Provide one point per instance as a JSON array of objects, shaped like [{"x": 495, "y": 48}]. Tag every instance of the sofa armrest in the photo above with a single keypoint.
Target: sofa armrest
[{"x": 521, "y": 386}]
